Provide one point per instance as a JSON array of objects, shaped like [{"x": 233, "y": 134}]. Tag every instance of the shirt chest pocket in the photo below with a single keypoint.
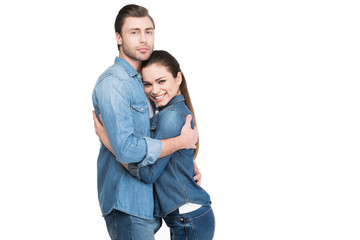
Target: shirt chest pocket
[{"x": 140, "y": 113}]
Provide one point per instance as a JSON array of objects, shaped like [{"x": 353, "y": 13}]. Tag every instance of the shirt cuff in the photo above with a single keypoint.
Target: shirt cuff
[{"x": 153, "y": 151}]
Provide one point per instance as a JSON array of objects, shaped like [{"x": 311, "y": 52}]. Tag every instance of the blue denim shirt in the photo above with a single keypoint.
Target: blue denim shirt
[
  {"x": 172, "y": 175},
  {"x": 119, "y": 97}
]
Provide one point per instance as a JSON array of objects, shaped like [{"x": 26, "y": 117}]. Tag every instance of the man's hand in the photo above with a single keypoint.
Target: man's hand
[
  {"x": 197, "y": 176},
  {"x": 186, "y": 140},
  {"x": 188, "y": 135}
]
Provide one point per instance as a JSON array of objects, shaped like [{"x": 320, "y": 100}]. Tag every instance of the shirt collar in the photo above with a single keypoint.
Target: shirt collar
[
  {"x": 127, "y": 66},
  {"x": 174, "y": 100}
]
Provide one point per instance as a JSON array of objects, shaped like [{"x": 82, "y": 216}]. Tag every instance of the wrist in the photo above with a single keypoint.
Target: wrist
[{"x": 180, "y": 142}]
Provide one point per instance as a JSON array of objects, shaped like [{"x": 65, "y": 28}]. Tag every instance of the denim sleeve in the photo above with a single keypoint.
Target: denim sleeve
[
  {"x": 113, "y": 103},
  {"x": 169, "y": 126}
]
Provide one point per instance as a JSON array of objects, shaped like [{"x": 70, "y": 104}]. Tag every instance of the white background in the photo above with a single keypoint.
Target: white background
[{"x": 275, "y": 85}]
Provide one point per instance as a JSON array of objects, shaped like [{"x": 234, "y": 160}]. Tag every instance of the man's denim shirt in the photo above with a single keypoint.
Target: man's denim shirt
[
  {"x": 120, "y": 99},
  {"x": 172, "y": 175}
]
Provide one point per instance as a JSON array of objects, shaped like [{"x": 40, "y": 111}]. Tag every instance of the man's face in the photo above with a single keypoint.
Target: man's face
[{"x": 137, "y": 40}]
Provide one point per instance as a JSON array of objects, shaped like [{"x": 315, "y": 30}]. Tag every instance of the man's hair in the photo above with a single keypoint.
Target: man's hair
[{"x": 130, "y": 10}]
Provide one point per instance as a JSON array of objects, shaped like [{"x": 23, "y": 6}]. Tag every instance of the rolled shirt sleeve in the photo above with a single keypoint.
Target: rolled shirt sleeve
[{"x": 153, "y": 151}]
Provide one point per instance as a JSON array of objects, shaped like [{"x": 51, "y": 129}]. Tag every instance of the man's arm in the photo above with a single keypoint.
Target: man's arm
[
  {"x": 169, "y": 145},
  {"x": 112, "y": 100},
  {"x": 126, "y": 147},
  {"x": 101, "y": 133},
  {"x": 169, "y": 126}
]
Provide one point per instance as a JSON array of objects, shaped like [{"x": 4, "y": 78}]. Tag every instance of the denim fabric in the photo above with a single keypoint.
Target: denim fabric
[
  {"x": 196, "y": 225},
  {"x": 172, "y": 175},
  {"x": 119, "y": 97},
  {"x": 122, "y": 226}
]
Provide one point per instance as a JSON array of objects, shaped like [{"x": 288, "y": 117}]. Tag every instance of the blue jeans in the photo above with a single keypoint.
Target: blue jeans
[
  {"x": 196, "y": 225},
  {"x": 122, "y": 226}
]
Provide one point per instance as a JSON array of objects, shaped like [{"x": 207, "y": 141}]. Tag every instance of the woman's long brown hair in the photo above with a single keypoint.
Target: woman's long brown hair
[{"x": 167, "y": 60}]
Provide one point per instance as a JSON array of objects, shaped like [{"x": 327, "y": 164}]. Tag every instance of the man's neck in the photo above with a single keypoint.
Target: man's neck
[{"x": 134, "y": 63}]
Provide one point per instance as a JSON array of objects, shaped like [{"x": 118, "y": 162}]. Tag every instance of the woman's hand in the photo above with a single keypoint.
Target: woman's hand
[
  {"x": 101, "y": 132},
  {"x": 197, "y": 176}
]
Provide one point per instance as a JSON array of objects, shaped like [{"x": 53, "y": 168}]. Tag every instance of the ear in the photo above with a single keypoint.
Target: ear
[
  {"x": 118, "y": 39},
  {"x": 178, "y": 79}
]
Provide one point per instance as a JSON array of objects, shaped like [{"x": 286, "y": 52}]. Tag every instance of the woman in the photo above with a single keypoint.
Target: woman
[{"x": 179, "y": 200}]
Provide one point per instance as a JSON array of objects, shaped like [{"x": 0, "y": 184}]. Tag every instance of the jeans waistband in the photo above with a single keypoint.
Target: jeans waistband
[{"x": 175, "y": 215}]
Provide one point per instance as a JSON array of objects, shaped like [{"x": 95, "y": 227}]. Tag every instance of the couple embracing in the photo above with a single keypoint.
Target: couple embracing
[{"x": 146, "y": 168}]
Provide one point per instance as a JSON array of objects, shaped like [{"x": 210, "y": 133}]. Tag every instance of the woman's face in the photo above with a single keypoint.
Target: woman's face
[{"x": 159, "y": 84}]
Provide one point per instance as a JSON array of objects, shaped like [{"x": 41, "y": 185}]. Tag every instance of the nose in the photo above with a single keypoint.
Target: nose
[
  {"x": 142, "y": 37},
  {"x": 155, "y": 89}
]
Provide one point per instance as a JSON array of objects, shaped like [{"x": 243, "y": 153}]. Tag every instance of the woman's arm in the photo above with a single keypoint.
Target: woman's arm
[{"x": 168, "y": 126}]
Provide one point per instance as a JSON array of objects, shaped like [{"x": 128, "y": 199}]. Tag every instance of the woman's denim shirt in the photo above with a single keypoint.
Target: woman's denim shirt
[{"x": 172, "y": 175}]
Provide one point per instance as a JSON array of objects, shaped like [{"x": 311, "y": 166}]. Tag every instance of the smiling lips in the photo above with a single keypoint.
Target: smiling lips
[{"x": 158, "y": 98}]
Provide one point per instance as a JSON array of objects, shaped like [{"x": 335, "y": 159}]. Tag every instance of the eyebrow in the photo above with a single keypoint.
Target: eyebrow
[
  {"x": 159, "y": 78},
  {"x": 131, "y": 29},
  {"x": 155, "y": 80}
]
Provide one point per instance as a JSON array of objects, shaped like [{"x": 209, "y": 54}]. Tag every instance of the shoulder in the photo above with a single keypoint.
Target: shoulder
[
  {"x": 182, "y": 109},
  {"x": 114, "y": 75},
  {"x": 170, "y": 118},
  {"x": 109, "y": 82},
  {"x": 167, "y": 124}
]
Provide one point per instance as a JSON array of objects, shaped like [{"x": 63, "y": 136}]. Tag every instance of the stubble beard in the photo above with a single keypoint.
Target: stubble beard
[{"x": 132, "y": 54}]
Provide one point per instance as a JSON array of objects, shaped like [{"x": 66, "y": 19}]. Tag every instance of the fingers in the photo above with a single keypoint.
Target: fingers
[
  {"x": 101, "y": 119},
  {"x": 198, "y": 175},
  {"x": 197, "y": 178},
  {"x": 197, "y": 132},
  {"x": 96, "y": 120},
  {"x": 188, "y": 120},
  {"x": 94, "y": 114},
  {"x": 189, "y": 136},
  {"x": 196, "y": 137}
]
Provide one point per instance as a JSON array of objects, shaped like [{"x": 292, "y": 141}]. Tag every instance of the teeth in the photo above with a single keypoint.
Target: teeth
[{"x": 157, "y": 98}]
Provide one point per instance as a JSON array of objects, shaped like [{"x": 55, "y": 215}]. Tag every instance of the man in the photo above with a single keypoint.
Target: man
[{"x": 126, "y": 203}]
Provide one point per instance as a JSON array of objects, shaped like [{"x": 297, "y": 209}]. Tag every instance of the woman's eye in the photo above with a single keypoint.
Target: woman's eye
[{"x": 162, "y": 81}]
